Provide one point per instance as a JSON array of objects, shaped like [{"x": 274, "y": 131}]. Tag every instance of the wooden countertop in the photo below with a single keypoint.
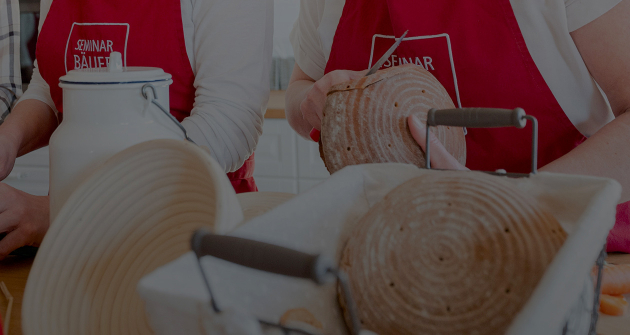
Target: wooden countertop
[
  {"x": 275, "y": 107},
  {"x": 14, "y": 272}
]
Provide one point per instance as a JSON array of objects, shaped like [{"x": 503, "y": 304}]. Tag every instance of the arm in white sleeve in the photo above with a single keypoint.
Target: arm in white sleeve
[
  {"x": 233, "y": 44},
  {"x": 582, "y": 12},
  {"x": 305, "y": 39},
  {"x": 38, "y": 89}
]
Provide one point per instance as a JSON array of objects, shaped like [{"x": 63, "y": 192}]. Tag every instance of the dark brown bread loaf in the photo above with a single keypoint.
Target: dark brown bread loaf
[{"x": 365, "y": 121}]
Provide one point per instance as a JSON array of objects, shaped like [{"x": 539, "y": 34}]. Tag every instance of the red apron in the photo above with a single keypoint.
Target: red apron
[
  {"x": 476, "y": 50},
  {"x": 81, "y": 34}
]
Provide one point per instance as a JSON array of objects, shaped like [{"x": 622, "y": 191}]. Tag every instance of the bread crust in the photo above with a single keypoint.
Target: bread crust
[
  {"x": 300, "y": 316},
  {"x": 365, "y": 120},
  {"x": 449, "y": 252}
]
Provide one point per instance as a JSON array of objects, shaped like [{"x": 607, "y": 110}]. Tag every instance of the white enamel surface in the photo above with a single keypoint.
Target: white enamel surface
[
  {"x": 318, "y": 220},
  {"x": 115, "y": 62},
  {"x": 106, "y": 75},
  {"x": 98, "y": 122}
]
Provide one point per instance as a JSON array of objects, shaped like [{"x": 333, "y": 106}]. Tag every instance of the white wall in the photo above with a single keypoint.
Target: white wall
[
  {"x": 285, "y": 162},
  {"x": 285, "y": 12}
]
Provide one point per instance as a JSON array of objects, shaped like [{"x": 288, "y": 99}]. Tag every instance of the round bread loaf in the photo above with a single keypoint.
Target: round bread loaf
[
  {"x": 449, "y": 253},
  {"x": 365, "y": 121}
]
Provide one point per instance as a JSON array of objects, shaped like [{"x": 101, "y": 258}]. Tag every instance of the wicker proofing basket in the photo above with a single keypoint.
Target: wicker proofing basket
[{"x": 132, "y": 215}]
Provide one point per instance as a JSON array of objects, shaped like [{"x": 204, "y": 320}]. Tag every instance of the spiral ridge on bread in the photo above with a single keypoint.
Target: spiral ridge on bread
[
  {"x": 365, "y": 121},
  {"x": 449, "y": 253}
]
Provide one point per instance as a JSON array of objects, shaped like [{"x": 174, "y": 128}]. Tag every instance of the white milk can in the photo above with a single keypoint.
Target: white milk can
[{"x": 105, "y": 111}]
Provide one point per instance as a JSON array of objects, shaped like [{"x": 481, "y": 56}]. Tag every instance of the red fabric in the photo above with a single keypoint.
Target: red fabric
[
  {"x": 81, "y": 34},
  {"x": 243, "y": 179},
  {"x": 476, "y": 50},
  {"x": 619, "y": 237}
]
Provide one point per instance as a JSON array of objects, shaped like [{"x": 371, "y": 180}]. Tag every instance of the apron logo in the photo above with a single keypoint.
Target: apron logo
[
  {"x": 395, "y": 60},
  {"x": 81, "y": 62},
  {"x": 433, "y": 53},
  {"x": 89, "y": 44}
]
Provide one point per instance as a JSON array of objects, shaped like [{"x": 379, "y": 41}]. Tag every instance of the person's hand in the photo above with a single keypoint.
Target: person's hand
[
  {"x": 24, "y": 217},
  {"x": 8, "y": 154},
  {"x": 440, "y": 158},
  {"x": 312, "y": 107}
]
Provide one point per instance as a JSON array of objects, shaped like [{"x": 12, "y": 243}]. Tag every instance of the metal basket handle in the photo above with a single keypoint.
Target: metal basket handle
[
  {"x": 601, "y": 260},
  {"x": 263, "y": 256},
  {"x": 274, "y": 259},
  {"x": 482, "y": 118}
]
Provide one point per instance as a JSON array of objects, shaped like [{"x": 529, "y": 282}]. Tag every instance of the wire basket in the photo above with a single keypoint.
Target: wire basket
[{"x": 580, "y": 318}]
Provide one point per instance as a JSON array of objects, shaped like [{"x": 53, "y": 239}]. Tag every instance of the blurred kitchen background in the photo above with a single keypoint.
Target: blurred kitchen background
[{"x": 285, "y": 162}]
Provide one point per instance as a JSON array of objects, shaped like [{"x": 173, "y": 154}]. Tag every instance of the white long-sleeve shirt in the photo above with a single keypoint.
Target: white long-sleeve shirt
[{"x": 229, "y": 44}]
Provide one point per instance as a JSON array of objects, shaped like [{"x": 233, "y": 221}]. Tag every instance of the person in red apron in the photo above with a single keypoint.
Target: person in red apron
[
  {"x": 217, "y": 51},
  {"x": 76, "y": 33},
  {"x": 477, "y": 51}
]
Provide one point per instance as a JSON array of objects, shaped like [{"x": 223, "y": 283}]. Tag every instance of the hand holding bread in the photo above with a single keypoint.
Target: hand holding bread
[
  {"x": 313, "y": 105},
  {"x": 366, "y": 120}
]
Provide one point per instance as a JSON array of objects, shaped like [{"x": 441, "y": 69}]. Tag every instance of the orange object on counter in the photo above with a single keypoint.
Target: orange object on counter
[
  {"x": 616, "y": 279},
  {"x": 612, "y": 304}
]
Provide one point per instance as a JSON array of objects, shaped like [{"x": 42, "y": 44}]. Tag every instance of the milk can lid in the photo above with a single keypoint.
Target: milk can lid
[{"x": 115, "y": 73}]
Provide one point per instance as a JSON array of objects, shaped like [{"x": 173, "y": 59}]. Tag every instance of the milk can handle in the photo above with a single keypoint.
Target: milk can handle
[{"x": 153, "y": 100}]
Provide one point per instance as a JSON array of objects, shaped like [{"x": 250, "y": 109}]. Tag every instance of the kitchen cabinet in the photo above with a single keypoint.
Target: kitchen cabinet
[
  {"x": 276, "y": 153},
  {"x": 30, "y": 173},
  {"x": 285, "y": 162}
]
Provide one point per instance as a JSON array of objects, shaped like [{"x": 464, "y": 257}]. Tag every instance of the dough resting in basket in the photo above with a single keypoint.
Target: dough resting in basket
[
  {"x": 449, "y": 253},
  {"x": 365, "y": 121}
]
